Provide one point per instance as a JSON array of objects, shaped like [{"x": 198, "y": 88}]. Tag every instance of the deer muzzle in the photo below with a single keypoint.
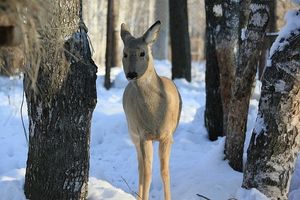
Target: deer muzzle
[{"x": 131, "y": 75}]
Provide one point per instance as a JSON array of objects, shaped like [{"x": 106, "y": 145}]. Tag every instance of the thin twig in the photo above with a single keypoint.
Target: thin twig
[
  {"x": 204, "y": 197},
  {"x": 25, "y": 133},
  {"x": 132, "y": 192}
]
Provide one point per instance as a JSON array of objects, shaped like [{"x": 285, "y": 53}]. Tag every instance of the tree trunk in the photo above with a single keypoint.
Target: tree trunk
[
  {"x": 244, "y": 77},
  {"x": 275, "y": 141},
  {"x": 60, "y": 104},
  {"x": 180, "y": 40},
  {"x": 233, "y": 19},
  {"x": 116, "y": 56},
  {"x": 213, "y": 108},
  {"x": 93, "y": 15},
  {"x": 151, "y": 12},
  {"x": 111, "y": 54},
  {"x": 271, "y": 28},
  {"x": 160, "y": 47}
]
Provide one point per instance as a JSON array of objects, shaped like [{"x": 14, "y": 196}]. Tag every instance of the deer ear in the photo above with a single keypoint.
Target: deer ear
[
  {"x": 152, "y": 33},
  {"x": 125, "y": 34}
]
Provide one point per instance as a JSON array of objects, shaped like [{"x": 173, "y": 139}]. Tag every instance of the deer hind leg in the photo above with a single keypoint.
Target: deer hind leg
[
  {"x": 164, "y": 155},
  {"x": 147, "y": 157}
]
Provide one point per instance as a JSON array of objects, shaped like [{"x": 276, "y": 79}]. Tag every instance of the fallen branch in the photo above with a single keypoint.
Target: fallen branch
[
  {"x": 131, "y": 190},
  {"x": 204, "y": 197}
]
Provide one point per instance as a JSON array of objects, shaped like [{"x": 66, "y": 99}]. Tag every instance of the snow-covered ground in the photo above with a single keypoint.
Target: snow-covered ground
[{"x": 197, "y": 165}]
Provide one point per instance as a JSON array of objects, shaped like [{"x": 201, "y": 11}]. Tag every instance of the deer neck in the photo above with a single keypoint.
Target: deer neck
[{"x": 149, "y": 82}]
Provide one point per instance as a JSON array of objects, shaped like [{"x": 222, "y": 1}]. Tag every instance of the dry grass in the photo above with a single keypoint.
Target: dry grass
[
  {"x": 43, "y": 30},
  {"x": 31, "y": 16},
  {"x": 27, "y": 16}
]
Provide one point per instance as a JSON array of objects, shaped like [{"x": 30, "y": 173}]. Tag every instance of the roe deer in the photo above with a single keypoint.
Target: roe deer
[{"x": 152, "y": 105}]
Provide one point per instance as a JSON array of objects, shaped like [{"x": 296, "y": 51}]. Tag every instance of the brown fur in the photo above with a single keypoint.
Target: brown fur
[{"x": 152, "y": 106}]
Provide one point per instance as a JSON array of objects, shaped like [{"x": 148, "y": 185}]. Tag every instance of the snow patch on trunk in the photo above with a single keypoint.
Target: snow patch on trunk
[
  {"x": 243, "y": 33},
  {"x": 258, "y": 19},
  {"x": 39, "y": 111},
  {"x": 254, "y": 7},
  {"x": 260, "y": 124},
  {"x": 291, "y": 28},
  {"x": 218, "y": 11},
  {"x": 280, "y": 86}
]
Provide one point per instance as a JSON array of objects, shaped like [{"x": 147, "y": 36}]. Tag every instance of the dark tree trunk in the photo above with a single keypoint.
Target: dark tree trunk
[
  {"x": 60, "y": 104},
  {"x": 180, "y": 40},
  {"x": 11, "y": 37},
  {"x": 275, "y": 141},
  {"x": 245, "y": 73},
  {"x": 10, "y": 30},
  {"x": 232, "y": 21},
  {"x": 115, "y": 56},
  {"x": 110, "y": 42},
  {"x": 213, "y": 108}
]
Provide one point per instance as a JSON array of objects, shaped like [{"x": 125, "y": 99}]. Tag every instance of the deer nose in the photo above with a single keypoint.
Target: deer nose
[{"x": 131, "y": 75}]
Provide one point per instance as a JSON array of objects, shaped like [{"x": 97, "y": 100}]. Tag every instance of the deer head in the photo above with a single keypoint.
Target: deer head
[{"x": 137, "y": 51}]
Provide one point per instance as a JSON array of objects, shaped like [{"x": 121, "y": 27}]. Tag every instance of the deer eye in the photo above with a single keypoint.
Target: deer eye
[
  {"x": 142, "y": 54},
  {"x": 125, "y": 55}
]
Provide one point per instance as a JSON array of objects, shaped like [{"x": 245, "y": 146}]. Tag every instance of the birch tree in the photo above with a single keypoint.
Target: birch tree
[
  {"x": 61, "y": 96},
  {"x": 233, "y": 15},
  {"x": 225, "y": 21},
  {"x": 160, "y": 47},
  {"x": 251, "y": 45},
  {"x": 270, "y": 37},
  {"x": 275, "y": 141}
]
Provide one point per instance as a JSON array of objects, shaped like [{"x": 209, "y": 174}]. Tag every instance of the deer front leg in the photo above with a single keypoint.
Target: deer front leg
[
  {"x": 164, "y": 155},
  {"x": 147, "y": 157},
  {"x": 141, "y": 171}
]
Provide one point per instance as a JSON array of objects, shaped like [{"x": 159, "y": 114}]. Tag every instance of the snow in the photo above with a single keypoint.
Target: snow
[
  {"x": 254, "y": 7},
  {"x": 260, "y": 124},
  {"x": 243, "y": 34},
  {"x": 258, "y": 19},
  {"x": 218, "y": 11},
  {"x": 295, "y": 183},
  {"x": 197, "y": 165},
  {"x": 296, "y": 1},
  {"x": 292, "y": 27},
  {"x": 252, "y": 194},
  {"x": 280, "y": 86}
]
